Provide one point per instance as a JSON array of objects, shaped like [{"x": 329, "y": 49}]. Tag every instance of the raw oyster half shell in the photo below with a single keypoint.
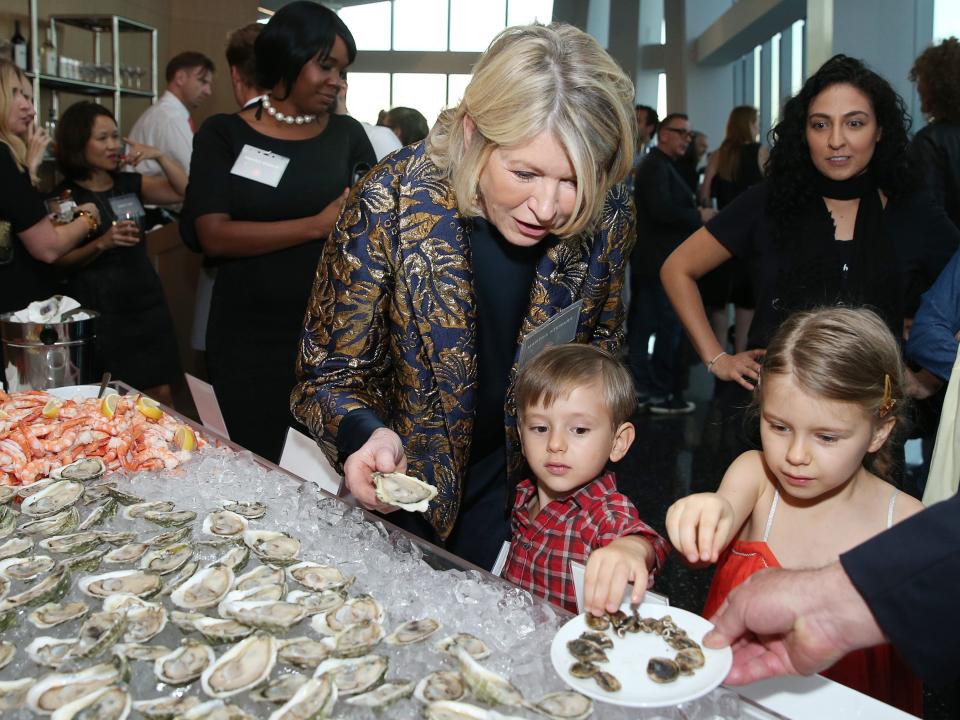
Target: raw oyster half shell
[{"x": 403, "y": 491}]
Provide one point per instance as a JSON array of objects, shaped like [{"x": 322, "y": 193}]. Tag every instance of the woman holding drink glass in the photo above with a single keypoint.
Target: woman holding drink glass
[{"x": 110, "y": 272}]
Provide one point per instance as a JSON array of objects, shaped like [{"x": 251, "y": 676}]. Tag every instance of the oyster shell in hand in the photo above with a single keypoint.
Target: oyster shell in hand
[{"x": 402, "y": 491}]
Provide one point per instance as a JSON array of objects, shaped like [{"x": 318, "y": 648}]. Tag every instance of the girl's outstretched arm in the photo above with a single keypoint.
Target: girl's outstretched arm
[{"x": 700, "y": 526}]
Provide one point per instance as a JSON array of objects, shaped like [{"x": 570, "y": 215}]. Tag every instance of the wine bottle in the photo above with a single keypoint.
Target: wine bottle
[
  {"x": 19, "y": 47},
  {"x": 48, "y": 55}
]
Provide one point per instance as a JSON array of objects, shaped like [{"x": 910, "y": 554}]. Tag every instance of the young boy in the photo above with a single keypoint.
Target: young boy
[{"x": 573, "y": 403}]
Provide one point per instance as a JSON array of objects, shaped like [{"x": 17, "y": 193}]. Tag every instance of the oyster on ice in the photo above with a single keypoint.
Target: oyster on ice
[
  {"x": 357, "y": 609},
  {"x": 136, "y": 582},
  {"x": 165, "y": 708},
  {"x": 87, "y": 562},
  {"x": 117, "y": 538},
  {"x": 138, "y": 509},
  {"x": 316, "y": 603},
  {"x": 440, "y": 685},
  {"x": 413, "y": 631},
  {"x": 109, "y": 703},
  {"x": 381, "y": 696},
  {"x": 204, "y": 589},
  {"x": 275, "y": 548},
  {"x": 219, "y": 632},
  {"x": 224, "y": 523},
  {"x": 166, "y": 559},
  {"x": 357, "y": 639},
  {"x": 98, "y": 632},
  {"x": 49, "y": 651},
  {"x": 280, "y": 689},
  {"x": 182, "y": 575},
  {"x": 128, "y": 553},
  {"x": 53, "y": 691},
  {"x": 169, "y": 537},
  {"x": 236, "y": 558},
  {"x": 249, "y": 510},
  {"x": 74, "y": 543},
  {"x": 476, "y": 647},
  {"x": 403, "y": 491},
  {"x": 242, "y": 667},
  {"x": 302, "y": 652},
  {"x": 353, "y": 675},
  {"x": 171, "y": 518},
  {"x": 49, "y": 589},
  {"x": 145, "y": 620},
  {"x": 58, "y": 524},
  {"x": 261, "y": 594},
  {"x": 7, "y": 651},
  {"x": 260, "y": 575},
  {"x": 564, "y": 705},
  {"x": 314, "y": 699},
  {"x": 14, "y": 547},
  {"x": 271, "y": 615},
  {"x": 25, "y": 569},
  {"x": 13, "y": 693},
  {"x": 53, "y": 614},
  {"x": 52, "y": 499},
  {"x": 99, "y": 514},
  {"x": 82, "y": 469},
  {"x": 141, "y": 651},
  {"x": 318, "y": 578},
  {"x": 486, "y": 685},
  {"x": 185, "y": 664}
]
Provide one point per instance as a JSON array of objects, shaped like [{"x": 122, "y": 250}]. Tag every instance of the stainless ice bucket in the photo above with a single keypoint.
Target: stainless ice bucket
[{"x": 38, "y": 356}]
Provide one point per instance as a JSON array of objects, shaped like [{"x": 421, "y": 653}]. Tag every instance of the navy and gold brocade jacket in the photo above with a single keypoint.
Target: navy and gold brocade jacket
[{"x": 391, "y": 322}]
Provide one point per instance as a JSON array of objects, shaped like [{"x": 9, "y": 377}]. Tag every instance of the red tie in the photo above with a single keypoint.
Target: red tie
[{"x": 193, "y": 125}]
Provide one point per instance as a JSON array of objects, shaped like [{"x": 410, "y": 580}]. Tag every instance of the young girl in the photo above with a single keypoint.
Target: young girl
[{"x": 830, "y": 392}]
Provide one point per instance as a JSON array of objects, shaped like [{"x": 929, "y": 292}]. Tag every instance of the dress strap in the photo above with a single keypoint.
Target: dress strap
[
  {"x": 893, "y": 500},
  {"x": 773, "y": 511}
]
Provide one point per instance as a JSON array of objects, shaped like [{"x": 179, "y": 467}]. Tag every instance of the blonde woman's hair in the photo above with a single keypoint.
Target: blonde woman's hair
[
  {"x": 559, "y": 370},
  {"x": 537, "y": 78},
  {"x": 842, "y": 354},
  {"x": 11, "y": 75},
  {"x": 739, "y": 133}
]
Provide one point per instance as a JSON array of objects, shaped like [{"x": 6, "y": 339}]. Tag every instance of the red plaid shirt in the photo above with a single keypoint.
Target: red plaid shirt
[{"x": 570, "y": 529}]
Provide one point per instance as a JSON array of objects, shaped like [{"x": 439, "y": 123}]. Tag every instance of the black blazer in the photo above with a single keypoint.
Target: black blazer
[
  {"x": 937, "y": 148},
  {"x": 910, "y": 578},
  {"x": 666, "y": 212}
]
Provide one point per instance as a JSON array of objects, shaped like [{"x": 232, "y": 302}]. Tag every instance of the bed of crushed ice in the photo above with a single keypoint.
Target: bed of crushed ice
[{"x": 517, "y": 627}]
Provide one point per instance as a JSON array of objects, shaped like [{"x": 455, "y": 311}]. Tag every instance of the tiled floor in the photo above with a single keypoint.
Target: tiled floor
[{"x": 675, "y": 456}]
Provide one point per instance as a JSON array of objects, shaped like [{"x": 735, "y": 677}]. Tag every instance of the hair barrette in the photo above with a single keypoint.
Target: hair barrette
[{"x": 888, "y": 403}]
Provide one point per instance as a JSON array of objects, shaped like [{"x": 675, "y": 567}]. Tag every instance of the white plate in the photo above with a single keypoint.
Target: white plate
[
  {"x": 629, "y": 658},
  {"x": 72, "y": 392}
]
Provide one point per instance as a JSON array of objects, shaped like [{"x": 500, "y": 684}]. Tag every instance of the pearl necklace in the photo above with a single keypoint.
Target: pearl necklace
[{"x": 283, "y": 117}]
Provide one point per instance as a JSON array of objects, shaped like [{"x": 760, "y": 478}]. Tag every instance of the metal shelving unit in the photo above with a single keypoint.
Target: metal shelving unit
[{"x": 99, "y": 26}]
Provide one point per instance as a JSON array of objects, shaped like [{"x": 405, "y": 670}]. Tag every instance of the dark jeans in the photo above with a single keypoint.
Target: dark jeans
[{"x": 663, "y": 373}]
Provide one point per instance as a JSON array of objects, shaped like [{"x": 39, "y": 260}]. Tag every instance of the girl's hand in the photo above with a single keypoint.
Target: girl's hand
[
  {"x": 138, "y": 152},
  {"x": 743, "y": 368},
  {"x": 699, "y": 526},
  {"x": 124, "y": 234},
  {"x": 382, "y": 452}
]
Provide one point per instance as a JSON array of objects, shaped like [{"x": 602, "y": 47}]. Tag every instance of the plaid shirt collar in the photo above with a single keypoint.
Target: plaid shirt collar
[{"x": 578, "y": 499}]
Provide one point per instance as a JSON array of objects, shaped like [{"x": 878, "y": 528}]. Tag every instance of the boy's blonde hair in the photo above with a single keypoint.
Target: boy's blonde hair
[
  {"x": 559, "y": 370},
  {"x": 537, "y": 78},
  {"x": 843, "y": 354}
]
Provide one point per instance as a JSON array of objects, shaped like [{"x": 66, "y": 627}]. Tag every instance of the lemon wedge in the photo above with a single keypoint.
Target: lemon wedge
[
  {"x": 51, "y": 409},
  {"x": 185, "y": 438},
  {"x": 108, "y": 405},
  {"x": 149, "y": 408}
]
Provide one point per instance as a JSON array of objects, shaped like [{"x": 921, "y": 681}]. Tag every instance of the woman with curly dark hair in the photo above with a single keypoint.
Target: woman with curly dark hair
[
  {"x": 937, "y": 146},
  {"x": 838, "y": 220}
]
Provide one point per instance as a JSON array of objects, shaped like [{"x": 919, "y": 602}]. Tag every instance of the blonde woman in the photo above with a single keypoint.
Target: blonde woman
[
  {"x": 28, "y": 239},
  {"x": 445, "y": 260}
]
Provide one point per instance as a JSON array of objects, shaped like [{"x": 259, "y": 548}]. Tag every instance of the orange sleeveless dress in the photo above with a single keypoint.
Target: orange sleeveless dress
[{"x": 879, "y": 671}]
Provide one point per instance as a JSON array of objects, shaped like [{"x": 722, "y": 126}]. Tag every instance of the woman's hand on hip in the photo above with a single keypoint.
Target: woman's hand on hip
[
  {"x": 382, "y": 452},
  {"x": 742, "y": 368}
]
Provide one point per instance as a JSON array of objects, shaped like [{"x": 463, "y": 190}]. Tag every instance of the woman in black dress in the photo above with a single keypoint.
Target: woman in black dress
[
  {"x": 28, "y": 239},
  {"x": 265, "y": 189},
  {"x": 111, "y": 273},
  {"x": 736, "y": 165}
]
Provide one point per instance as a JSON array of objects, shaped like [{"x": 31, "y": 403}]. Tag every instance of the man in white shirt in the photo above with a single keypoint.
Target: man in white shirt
[{"x": 167, "y": 125}]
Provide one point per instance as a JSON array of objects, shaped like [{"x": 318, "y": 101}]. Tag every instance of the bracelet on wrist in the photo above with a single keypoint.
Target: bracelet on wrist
[
  {"x": 712, "y": 362},
  {"x": 91, "y": 220}
]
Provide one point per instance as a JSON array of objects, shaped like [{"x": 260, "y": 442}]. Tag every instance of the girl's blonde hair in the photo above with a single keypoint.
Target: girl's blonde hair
[
  {"x": 538, "y": 78},
  {"x": 842, "y": 354},
  {"x": 559, "y": 370},
  {"x": 11, "y": 75},
  {"x": 739, "y": 133}
]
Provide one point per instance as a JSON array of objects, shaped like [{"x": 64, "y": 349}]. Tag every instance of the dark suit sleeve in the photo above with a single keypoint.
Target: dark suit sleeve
[
  {"x": 654, "y": 183},
  {"x": 910, "y": 578}
]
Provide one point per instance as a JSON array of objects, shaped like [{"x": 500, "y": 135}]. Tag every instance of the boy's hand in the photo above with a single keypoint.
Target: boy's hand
[
  {"x": 610, "y": 568},
  {"x": 699, "y": 526}
]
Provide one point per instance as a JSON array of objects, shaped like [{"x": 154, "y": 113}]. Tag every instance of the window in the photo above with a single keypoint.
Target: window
[
  {"x": 420, "y": 24},
  {"x": 774, "y": 79},
  {"x": 524, "y": 12},
  {"x": 456, "y": 84},
  {"x": 757, "y": 59},
  {"x": 424, "y": 91},
  {"x": 946, "y": 20},
  {"x": 473, "y": 25},
  {"x": 369, "y": 25},
  {"x": 796, "y": 56},
  {"x": 367, "y": 95},
  {"x": 661, "y": 95}
]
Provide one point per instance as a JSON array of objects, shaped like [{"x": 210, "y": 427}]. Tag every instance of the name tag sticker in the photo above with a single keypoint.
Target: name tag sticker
[
  {"x": 558, "y": 330},
  {"x": 261, "y": 166}
]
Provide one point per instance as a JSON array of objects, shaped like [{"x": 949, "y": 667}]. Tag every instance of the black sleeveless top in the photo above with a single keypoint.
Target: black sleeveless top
[{"x": 748, "y": 173}]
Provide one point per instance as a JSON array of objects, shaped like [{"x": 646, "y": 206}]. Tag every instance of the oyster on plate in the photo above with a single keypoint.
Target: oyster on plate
[
  {"x": 242, "y": 667},
  {"x": 403, "y": 491}
]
